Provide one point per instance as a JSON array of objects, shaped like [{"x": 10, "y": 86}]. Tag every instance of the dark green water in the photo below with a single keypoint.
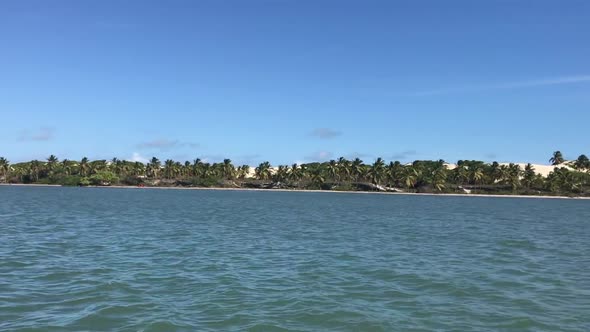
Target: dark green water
[{"x": 74, "y": 259}]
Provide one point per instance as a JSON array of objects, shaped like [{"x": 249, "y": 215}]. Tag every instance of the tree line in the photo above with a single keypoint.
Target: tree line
[{"x": 567, "y": 178}]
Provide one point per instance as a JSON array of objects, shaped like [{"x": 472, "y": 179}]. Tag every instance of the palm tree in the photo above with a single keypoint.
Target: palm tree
[
  {"x": 410, "y": 176},
  {"x": 514, "y": 172},
  {"x": 357, "y": 169},
  {"x": 528, "y": 176},
  {"x": 206, "y": 170},
  {"x": 439, "y": 178},
  {"x": 20, "y": 172},
  {"x": 35, "y": 170},
  {"x": 477, "y": 175},
  {"x": 169, "y": 169},
  {"x": 197, "y": 168},
  {"x": 262, "y": 172},
  {"x": 555, "y": 179},
  {"x": 98, "y": 166},
  {"x": 177, "y": 169},
  {"x": 557, "y": 158},
  {"x": 434, "y": 174},
  {"x": 582, "y": 162},
  {"x": 228, "y": 169},
  {"x": 138, "y": 168},
  {"x": 153, "y": 167},
  {"x": 281, "y": 174},
  {"x": 51, "y": 162},
  {"x": 66, "y": 166},
  {"x": 394, "y": 173},
  {"x": 116, "y": 166},
  {"x": 84, "y": 166},
  {"x": 562, "y": 179},
  {"x": 461, "y": 174},
  {"x": 242, "y": 171},
  {"x": 296, "y": 173},
  {"x": 317, "y": 177},
  {"x": 186, "y": 169},
  {"x": 377, "y": 171},
  {"x": 332, "y": 169},
  {"x": 495, "y": 174},
  {"x": 114, "y": 163},
  {"x": 4, "y": 168},
  {"x": 344, "y": 169}
]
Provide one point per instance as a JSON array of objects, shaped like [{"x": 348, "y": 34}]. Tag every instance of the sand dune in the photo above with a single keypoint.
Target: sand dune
[{"x": 544, "y": 170}]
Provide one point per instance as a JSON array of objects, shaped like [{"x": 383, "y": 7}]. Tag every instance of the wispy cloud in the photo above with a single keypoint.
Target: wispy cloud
[
  {"x": 319, "y": 156},
  {"x": 166, "y": 144},
  {"x": 39, "y": 135},
  {"x": 404, "y": 155},
  {"x": 159, "y": 144},
  {"x": 506, "y": 85},
  {"x": 325, "y": 133}
]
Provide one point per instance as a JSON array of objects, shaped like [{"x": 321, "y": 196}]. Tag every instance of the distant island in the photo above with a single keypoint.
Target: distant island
[{"x": 561, "y": 178}]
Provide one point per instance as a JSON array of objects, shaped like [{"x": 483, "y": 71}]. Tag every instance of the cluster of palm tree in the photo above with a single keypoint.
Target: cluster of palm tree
[
  {"x": 340, "y": 174},
  {"x": 171, "y": 169},
  {"x": 35, "y": 170},
  {"x": 582, "y": 163}
]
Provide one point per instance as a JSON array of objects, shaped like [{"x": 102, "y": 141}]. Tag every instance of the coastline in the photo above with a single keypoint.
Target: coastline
[{"x": 308, "y": 191}]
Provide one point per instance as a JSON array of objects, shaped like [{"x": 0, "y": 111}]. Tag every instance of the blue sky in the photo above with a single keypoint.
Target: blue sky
[{"x": 290, "y": 81}]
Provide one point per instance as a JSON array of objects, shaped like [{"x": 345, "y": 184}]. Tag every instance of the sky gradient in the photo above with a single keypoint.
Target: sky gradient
[{"x": 294, "y": 81}]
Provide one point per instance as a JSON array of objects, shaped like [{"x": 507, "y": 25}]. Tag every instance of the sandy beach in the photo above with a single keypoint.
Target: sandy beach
[{"x": 307, "y": 191}]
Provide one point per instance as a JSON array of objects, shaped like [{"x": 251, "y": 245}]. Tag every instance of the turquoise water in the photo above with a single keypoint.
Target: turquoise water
[{"x": 74, "y": 259}]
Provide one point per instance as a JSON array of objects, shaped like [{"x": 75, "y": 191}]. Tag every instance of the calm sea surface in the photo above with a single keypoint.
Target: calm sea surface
[{"x": 75, "y": 259}]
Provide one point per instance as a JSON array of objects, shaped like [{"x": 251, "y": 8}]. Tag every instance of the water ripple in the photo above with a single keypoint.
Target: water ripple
[{"x": 74, "y": 259}]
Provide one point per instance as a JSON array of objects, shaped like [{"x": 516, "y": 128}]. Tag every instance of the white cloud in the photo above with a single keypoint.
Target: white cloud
[
  {"x": 138, "y": 157},
  {"x": 212, "y": 158}
]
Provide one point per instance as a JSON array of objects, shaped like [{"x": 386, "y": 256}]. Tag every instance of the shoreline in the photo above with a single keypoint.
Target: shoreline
[{"x": 307, "y": 190}]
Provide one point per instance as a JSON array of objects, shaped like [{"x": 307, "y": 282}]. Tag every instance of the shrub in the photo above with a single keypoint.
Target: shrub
[
  {"x": 84, "y": 181},
  {"x": 204, "y": 182},
  {"x": 64, "y": 180},
  {"x": 104, "y": 178},
  {"x": 132, "y": 181}
]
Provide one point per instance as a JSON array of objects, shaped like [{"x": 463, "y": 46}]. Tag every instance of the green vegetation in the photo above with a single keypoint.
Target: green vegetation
[{"x": 424, "y": 176}]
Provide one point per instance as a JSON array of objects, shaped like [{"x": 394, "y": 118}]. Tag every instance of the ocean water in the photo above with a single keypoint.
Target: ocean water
[{"x": 97, "y": 259}]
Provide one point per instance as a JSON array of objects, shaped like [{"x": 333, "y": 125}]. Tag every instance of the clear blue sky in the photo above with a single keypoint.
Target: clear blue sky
[{"x": 290, "y": 81}]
